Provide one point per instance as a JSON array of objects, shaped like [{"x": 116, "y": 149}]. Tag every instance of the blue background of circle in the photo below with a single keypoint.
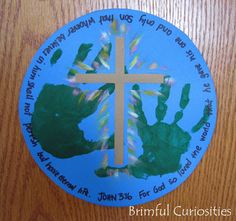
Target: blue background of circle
[{"x": 155, "y": 46}]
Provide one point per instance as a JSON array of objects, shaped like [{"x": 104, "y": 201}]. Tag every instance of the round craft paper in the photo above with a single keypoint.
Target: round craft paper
[{"x": 118, "y": 107}]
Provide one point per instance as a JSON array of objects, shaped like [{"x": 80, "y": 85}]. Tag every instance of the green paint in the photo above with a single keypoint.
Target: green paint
[
  {"x": 82, "y": 54},
  {"x": 104, "y": 53},
  {"x": 126, "y": 72},
  {"x": 56, "y": 56},
  {"x": 162, "y": 107},
  {"x": 83, "y": 51},
  {"x": 163, "y": 143},
  {"x": 185, "y": 96},
  {"x": 72, "y": 72},
  {"x": 202, "y": 121},
  {"x": 57, "y": 114}
]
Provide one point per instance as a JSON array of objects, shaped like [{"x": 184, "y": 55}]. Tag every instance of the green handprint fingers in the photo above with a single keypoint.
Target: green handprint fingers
[
  {"x": 141, "y": 123},
  {"x": 83, "y": 51},
  {"x": 56, "y": 56},
  {"x": 178, "y": 116},
  {"x": 161, "y": 154},
  {"x": 184, "y": 100},
  {"x": 185, "y": 96},
  {"x": 203, "y": 120},
  {"x": 162, "y": 98},
  {"x": 163, "y": 144},
  {"x": 165, "y": 91},
  {"x": 138, "y": 108},
  {"x": 101, "y": 58},
  {"x": 110, "y": 87},
  {"x": 161, "y": 111}
]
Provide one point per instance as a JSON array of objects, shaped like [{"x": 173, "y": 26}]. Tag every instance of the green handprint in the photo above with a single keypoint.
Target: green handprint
[
  {"x": 163, "y": 143},
  {"x": 60, "y": 108},
  {"x": 57, "y": 113}
]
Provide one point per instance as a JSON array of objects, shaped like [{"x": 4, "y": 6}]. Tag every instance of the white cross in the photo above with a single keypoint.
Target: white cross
[{"x": 119, "y": 79}]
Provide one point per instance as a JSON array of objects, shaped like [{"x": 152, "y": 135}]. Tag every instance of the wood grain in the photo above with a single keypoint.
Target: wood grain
[{"x": 26, "y": 194}]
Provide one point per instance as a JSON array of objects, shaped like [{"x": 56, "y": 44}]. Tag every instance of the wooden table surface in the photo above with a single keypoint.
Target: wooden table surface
[{"x": 27, "y": 194}]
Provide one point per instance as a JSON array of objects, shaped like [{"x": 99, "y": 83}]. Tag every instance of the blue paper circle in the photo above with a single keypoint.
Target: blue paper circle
[{"x": 152, "y": 46}]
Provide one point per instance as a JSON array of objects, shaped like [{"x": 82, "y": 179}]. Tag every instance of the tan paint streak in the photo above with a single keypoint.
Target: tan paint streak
[
  {"x": 119, "y": 102},
  {"x": 127, "y": 78}
]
